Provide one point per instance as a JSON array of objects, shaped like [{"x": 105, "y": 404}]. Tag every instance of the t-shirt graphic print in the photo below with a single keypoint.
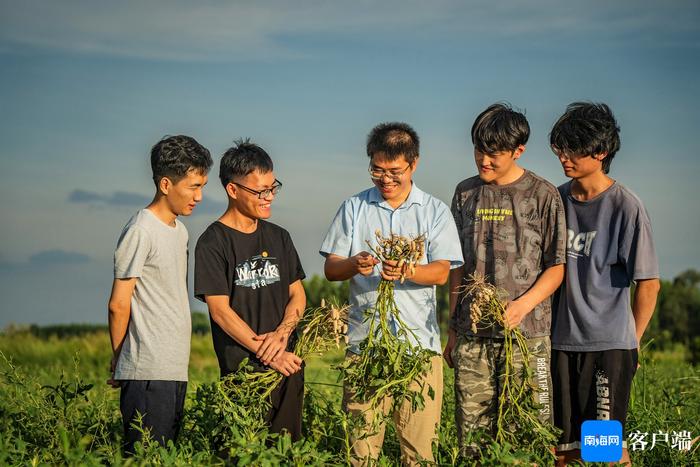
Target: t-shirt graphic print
[{"x": 258, "y": 271}]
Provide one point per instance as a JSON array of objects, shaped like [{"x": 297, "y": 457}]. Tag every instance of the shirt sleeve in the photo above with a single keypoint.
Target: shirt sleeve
[
  {"x": 456, "y": 210},
  {"x": 443, "y": 242},
  {"x": 554, "y": 231},
  {"x": 338, "y": 240},
  {"x": 638, "y": 252},
  {"x": 296, "y": 271},
  {"x": 210, "y": 268},
  {"x": 132, "y": 251}
]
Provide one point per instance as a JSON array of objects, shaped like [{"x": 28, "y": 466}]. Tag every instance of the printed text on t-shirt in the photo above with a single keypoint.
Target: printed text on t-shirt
[
  {"x": 258, "y": 271},
  {"x": 493, "y": 214},
  {"x": 579, "y": 244}
]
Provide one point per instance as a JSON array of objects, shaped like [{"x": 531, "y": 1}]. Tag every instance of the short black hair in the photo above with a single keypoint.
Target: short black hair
[
  {"x": 393, "y": 140},
  {"x": 242, "y": 159},
  {"x": 499, "y": 128},
  {"x": 174, "y": 156},
  {"x": 587, "y": 129}
]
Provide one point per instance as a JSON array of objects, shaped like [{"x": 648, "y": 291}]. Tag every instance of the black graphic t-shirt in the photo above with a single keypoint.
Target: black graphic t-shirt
[{"x": 254, "y": 270}]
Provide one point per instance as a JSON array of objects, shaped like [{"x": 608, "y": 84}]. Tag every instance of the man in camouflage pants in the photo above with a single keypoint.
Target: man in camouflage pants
[
  {"x": 475, "y": 357},
  {"x": 512, "y": 231}
]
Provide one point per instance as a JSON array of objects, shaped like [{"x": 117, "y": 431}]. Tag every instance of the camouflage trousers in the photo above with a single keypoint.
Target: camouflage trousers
[{"x": 478, "y": 364}]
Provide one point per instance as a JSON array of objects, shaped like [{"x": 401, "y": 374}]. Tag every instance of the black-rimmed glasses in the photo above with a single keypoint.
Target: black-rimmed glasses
[{"x": 262, "y": 194}]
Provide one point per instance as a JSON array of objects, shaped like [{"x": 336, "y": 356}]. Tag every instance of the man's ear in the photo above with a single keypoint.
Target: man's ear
[
  {"x": 601, "y": 156},
  {"x": 415, "y": 164},
  {"x": 231, "y": 190},
  {"x": 165, "y": 185},
  {"x": 518, "y": 151}
]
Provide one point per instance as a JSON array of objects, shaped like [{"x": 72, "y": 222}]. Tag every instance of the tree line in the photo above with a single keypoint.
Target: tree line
[{"x": 676, "y": 322}]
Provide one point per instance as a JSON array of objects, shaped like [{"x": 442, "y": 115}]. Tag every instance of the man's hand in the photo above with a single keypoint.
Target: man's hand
[
  {"x": 515, "y": 312},
  {"x": 287, "y": 364},
  {"x": 273, "y": 344},
  {"x": 363, "y": 263},
  {"x": 112, "y": 365},
  {"x": 449, "y": 347},
  {"x": 392, "y": 272},
  {"x": 340, "y": 268}
]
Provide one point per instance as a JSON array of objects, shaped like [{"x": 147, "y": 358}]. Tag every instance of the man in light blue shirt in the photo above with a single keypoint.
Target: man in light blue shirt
[{"x": 395, "y": 205}]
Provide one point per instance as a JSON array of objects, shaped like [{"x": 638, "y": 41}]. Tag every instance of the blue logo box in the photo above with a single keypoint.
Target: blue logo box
[{"x": 601, "y": 441}]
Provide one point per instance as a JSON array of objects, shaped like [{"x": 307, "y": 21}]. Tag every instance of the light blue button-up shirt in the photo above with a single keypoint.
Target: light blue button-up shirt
[{"x": 355, "y": 223}]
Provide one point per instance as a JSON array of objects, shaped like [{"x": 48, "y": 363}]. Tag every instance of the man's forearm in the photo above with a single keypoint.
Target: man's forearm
[
  {"x": 118, "y": 326},
  {"x": 235, "y": 327},
  {"x": 338, "y": 269},
  {"x": 294, "y": 310},
  {"x": 119, "y": 311},
  {"x": 545, "y": 285},
  {"x": 456, "y": 281},
  {"x": 645, "y": 295},
  {"x": 456, "y": 277},
  {"x": 434, "y": 273}
]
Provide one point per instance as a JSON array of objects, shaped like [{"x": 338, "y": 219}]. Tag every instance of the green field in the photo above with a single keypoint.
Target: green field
[{"x": 51, "y": 414}]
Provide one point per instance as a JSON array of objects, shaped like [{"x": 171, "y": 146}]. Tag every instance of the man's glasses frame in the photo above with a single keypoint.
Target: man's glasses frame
[
  {"x": 564, "y": 156},
  {"x": 262, "y": 194},
  {"x": 377, "y": 174}
]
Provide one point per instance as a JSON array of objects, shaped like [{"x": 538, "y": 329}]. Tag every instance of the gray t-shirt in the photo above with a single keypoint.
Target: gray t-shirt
[
  {"x": 609, "y": 245},
  {"x": 509, "y": 233},
  {"x": 157, "y": 343}
]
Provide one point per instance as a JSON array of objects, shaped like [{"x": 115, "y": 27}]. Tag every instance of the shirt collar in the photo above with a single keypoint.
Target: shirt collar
[{"x": 415, "y": 196}]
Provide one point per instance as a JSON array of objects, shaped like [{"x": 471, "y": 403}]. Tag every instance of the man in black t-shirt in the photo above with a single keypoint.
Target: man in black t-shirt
[{"x": 249, "y": 274}]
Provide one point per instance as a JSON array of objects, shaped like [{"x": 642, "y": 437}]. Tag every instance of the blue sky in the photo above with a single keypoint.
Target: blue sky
[{"x": 87, "y": 87}]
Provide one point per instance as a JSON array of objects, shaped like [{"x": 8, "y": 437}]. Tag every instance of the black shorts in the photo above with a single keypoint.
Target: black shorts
[
  {"x": 590, "y": 386},
  {"x": 160, "y": 403}
]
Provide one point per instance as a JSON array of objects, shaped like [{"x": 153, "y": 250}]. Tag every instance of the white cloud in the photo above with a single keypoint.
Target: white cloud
[
  {"x": 181, "y": 30},
  {"x": 249, "y": 30}
]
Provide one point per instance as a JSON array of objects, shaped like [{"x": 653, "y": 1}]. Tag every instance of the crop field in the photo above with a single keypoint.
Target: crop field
[{"x": 56, "y": 409}]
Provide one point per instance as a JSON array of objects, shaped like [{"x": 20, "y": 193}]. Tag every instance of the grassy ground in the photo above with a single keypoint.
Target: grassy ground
[{"x": 665, "y": 399}]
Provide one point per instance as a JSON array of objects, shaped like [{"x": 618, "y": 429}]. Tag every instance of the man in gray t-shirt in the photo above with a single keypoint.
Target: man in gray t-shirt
[
  {"x": 596, "y": 331},
  {"x": 157, "y": 343},
  {"x": 149, "y": 313}
]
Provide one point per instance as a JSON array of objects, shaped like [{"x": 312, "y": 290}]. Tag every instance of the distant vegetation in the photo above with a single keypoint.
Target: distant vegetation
[{"x": 676, "y": 322}]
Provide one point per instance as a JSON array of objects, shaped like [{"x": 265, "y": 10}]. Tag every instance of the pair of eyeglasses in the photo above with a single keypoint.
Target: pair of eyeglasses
[
  {"x": 564, "y": 156},
  {"x": 394, "y": 174},
  {"x": 276, "y": 187}
]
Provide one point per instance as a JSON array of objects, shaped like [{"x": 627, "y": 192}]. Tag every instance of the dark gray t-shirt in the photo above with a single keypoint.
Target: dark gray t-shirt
[
  {"x": 510, "y": 233},
  {"x": 609, "y": 244}
]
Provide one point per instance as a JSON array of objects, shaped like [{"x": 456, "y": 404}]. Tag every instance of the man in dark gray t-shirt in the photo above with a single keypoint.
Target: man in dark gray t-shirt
[
  {"x": 609, "y": 245},
  {"x": 596, "y": 331},
  {"x": 511, "y": 229}
]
